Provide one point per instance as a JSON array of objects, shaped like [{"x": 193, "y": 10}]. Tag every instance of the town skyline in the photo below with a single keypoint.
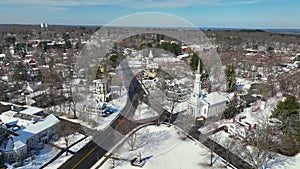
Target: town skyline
[{"x": 262, "y": 14}]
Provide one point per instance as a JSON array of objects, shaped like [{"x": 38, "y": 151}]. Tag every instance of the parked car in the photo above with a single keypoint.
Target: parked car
[{"x": 106, "y": 113}]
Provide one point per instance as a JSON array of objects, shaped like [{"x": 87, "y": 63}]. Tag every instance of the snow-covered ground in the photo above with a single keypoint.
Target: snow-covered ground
[
  {"x": 163, "y": 147},
  {"x": 63, "y": 158},
  {"x": 279, "y": 162},
  {"x": 72, "y": 138},
  {"x": 243, "y": 84},
  {"x": 143, "y": 112},
  {"x": 46, "y": 154},
  {"x": 260, "y": 111},
  {"x": 49, "y": 152},
  {"x": 115, "y": 105}
]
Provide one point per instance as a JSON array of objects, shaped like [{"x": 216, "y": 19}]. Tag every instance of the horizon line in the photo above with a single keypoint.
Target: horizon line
[{"x": 125, "y": 26}]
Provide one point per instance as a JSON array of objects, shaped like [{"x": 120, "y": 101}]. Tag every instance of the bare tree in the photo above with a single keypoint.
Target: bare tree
[
  {"x": 212, "y": 145},
  {"x": 65, "y": 131},
  {"x": 185, "y": 122},
  {"x": 112, "y": 161},
  {"x": 132, "y": 140},
  {"x": 209, "y": 139},
  {"x": 75, "y": 97},
  {"x": 259, "y": 147},
  {"x": 229, "y": 145}
]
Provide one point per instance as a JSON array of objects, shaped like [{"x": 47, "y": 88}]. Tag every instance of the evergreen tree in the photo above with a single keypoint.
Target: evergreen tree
[
  {"x": 230, "y": 78},
  {"x": 194, "y": 63},
  {"x": 287, "y": 112}
]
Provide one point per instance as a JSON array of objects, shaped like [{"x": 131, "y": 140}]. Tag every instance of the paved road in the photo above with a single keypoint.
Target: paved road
[{"x": 92, "y": 152}]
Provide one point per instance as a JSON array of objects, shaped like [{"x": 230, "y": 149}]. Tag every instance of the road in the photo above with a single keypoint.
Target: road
[
  {"x": 92, "y": 152},
  {"x": 232, "y": 158}
]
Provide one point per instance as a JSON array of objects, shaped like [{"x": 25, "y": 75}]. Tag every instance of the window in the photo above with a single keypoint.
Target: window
[{"x": 10, "y": 155}]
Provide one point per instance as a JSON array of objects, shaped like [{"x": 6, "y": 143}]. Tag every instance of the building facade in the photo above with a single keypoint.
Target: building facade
[
  {"x": 23, "y": 129},
  {"x": 205, "y": 105}
]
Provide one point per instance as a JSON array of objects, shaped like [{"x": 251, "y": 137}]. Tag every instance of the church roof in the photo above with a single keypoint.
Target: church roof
[{"x": 214, "y": 98}]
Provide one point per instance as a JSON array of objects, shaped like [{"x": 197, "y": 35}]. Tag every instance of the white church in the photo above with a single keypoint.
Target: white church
[{"x": 205, "y": 105}]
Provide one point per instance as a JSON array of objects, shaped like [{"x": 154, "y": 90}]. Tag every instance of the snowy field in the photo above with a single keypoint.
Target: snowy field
[
  {"x": 49, "y": 152},
  {"x": 163, "y": 147}
]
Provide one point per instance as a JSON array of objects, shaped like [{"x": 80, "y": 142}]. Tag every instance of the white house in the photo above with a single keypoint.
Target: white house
[
  {"x": 205, "y": 105},
  {"x": 23, "y": 129},
  {"x": 240, "y": 129},
  {"x": 100, "y": 89}
]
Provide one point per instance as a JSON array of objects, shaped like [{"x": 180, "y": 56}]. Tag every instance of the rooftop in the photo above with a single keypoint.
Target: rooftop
[{"x": 214, "y": 98}]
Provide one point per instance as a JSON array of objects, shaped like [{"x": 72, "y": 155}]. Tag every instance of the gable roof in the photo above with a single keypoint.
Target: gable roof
[
  {"x": 214, "y": 98},
  {"x": 41, "y": 125}
]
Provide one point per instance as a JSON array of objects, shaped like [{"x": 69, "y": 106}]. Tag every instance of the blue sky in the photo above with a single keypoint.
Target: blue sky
[{"x": 203, "y": 13}]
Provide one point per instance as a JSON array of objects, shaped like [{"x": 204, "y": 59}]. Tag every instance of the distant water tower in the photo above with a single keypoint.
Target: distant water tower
[{"x": 44, "y": 25}]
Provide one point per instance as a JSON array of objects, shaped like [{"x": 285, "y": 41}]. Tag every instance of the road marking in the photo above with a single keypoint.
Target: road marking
[{"x": 93, "y": 149}]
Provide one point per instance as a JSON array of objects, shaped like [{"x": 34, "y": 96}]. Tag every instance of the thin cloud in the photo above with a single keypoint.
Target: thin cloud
[{"x": 133, "y": 3}]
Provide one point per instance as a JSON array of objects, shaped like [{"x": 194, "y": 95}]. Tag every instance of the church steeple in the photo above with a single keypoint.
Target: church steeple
[
  {"x": 198, "y": 68},
  {"x": 194, "y": 107},
  {"x": 197, "y": 83}
]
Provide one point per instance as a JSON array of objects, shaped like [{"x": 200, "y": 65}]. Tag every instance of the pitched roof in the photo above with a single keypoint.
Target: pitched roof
[{"x": 214, "y": 98}]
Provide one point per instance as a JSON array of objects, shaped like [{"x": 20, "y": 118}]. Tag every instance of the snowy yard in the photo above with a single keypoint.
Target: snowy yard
[
  {"x": 63, "y": 158},
  {"x": 143, "y": 112},
  {"x": 102, "y": 123},
  {"x": 46, "y": 154},
  {"x": 280, "y": 161},
  {"x": 163, "y": 147},
  {"x": 49, "y": 152}
]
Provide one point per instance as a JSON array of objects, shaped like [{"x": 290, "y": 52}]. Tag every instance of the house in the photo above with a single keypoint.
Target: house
[
  {"x": 240, "y": 129},
  {"x": 205, "y": 105},
  {"x": 24, "y": 129},
  {"x": 100, "y": 88}
]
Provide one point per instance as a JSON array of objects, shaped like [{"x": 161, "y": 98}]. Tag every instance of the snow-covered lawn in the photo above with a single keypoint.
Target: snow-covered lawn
[
  {"x": 243, "y": 84},
  {"x": 279, "y": 162},
  {"x": 81, "y": 144},
  {"x": 102, "y": 123},
  {"x": 143, "y": 112},
  {"x": 47, "y": 153},
  {"x": 72, "y": 139},
  {"x": 163, "y": 147},
  {"x": 260, "y": 111}
]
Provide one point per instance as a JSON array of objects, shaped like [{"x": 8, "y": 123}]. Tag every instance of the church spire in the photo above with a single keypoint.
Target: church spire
[
  {"x": 197, "y": 83},
  {"x": 198, "y": 68}
]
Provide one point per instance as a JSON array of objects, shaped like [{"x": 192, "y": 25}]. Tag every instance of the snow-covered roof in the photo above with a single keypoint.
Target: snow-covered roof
[
  {"x": 41, "y": 125},
  {"x": 28, "y": 124},
  {"x": 31, "y": 110},
  {"x": 165, "y": 59},
  {"x": 8, "y": 118},
  {"x": 214, "y": 98},
  {"x": 9, "y": 144}
]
